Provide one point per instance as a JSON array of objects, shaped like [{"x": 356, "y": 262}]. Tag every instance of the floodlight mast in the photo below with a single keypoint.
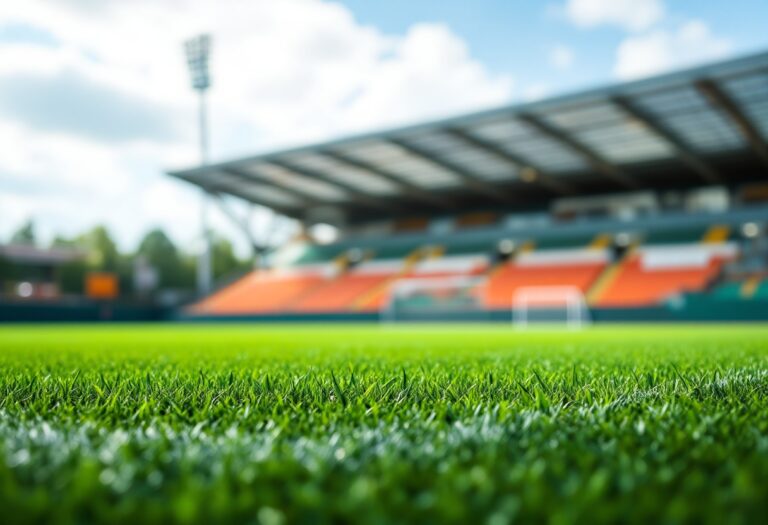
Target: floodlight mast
[{"x": 198, "y": 51}]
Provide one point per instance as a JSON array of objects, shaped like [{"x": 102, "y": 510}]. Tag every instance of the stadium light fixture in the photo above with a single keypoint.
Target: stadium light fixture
[
  {"x": 24, "y": 289},
  {"x": 506, "y": 246},
  {"x": 529, "y": 174},
  {"x": 623, "y": 239},
  {"x": 750, "y": 230},
  {"x": 323, "y": 233},
  {"x": 355, "y": 255},
  {"x": 198, "y": 51}
]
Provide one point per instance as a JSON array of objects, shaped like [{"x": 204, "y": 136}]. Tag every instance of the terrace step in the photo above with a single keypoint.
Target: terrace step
[
  {"x": 717, "y": 234},
  {"x": 606, "y": 278},
  {"x": 749, "y": 287},
  {"x": 601, "y": 241},
  {"x": 371, "y": 296}
]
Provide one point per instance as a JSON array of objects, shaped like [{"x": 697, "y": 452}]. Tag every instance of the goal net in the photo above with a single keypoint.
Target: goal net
[
  {"x": 433, "y": 298},
  {"x": 552, "y": 305}
]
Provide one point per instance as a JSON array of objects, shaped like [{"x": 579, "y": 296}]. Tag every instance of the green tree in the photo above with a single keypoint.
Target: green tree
[
  {"x": 102, "y": 250},
  {"x": 225, "y": 262},
  {"x": 125, "y": 273},
  {"x": 59, "y": 241},
  {"x": 25, "y": 234},
  {"x": 101, "y": 255},
  {"x": 70, "y": 275},
  {"x": 6, "y": 273},
  {"x": 160, "y": 252}
]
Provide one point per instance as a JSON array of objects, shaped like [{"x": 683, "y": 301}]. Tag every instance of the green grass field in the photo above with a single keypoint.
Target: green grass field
[{"x": 284, "y": 424}]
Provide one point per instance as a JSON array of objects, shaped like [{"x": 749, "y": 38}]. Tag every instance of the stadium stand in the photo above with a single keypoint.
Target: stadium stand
[
  {"x": 362, "y": 287},
  {"x": 349, "y": 290},
  {"x": 679, "y": 260},
  {"x": 558, "y": 267},
  {"x": 635, "y": 195},
  {"x": 668, "y": 262},
  {"x": 262, "y": 291},
  {"x": 656, "y": 273}
]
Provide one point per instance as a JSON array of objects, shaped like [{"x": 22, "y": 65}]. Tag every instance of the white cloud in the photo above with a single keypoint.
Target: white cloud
[
  {"x": 283, "y": 73},
  {"x": 561, "y": 57},
  {"x": 658, "y": 51},
  {"x": 631, "y": 15},
  {"x": 429, "y": 73}
]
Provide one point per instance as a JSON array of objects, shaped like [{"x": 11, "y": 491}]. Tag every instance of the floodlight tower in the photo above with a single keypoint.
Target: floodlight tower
[{"x": 198, "y": 50}]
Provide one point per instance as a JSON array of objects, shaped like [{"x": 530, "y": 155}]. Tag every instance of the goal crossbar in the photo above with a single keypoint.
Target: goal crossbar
[{"x": 548, "y": 298}]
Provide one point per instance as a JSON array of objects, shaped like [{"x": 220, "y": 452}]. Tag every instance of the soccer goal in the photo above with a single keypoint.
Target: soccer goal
[
  {"x": 550, "y": 305},
  {"x": 434, "y": 298}
]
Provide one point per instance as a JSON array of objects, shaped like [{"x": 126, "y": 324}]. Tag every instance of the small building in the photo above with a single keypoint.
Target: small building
[{"x": 30, "y": 272}]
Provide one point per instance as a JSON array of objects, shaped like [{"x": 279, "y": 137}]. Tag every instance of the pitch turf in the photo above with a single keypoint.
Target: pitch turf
[{"x": 180, "y": 423}]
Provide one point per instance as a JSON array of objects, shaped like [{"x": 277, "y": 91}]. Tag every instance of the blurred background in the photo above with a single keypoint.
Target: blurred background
[{"x": 96, "y": 108}]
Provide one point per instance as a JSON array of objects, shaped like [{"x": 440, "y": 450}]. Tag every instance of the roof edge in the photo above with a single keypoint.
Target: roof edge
[{"x": 730, "y": 66}]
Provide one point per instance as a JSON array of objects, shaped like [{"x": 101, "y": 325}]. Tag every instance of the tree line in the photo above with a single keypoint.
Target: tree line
[{"x": 175, "y": 268}]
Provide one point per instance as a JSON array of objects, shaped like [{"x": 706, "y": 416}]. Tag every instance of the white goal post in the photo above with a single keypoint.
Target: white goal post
[
  {"x": 551, "y": 305},
  {"x": 418, "y": 297}
]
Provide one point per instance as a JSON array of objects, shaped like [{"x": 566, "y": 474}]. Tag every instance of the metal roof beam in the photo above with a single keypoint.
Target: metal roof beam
[
  {"x": 409, "y": 189},
  {"x": 658, "y": 128},
  {"x": 217, "y": 187},
  {"x": 305, "y": 198},
  {"x": 720, "y": 99},
  {"x": 538, "y": 175},
  {"x": 599, "y": 164},
  {"x": 364, "y": 198},
  {"x": 240, "y": 223},
  {"x": 477, "y": 185}
]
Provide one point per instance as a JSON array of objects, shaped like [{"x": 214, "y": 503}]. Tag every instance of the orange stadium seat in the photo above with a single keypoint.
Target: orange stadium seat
[
  {"x": 636, "y": 285},
  {"x": 346, "y": 291},
  {"x": 440, "y": 267},
  {"x": 503, "y": 284},
  {"x": 260, "y": 292},
  {"x": 339, "y": 294}
]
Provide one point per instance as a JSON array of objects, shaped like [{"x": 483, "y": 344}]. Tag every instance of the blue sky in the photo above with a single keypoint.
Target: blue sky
[
  {"x": 517, "y": 35},
  {"x": 95, "y": 101}
]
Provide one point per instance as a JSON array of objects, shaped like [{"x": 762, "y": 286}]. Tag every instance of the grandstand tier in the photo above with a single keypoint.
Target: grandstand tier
[
  {"x": 642, "y": 276},
  {"x": 653, "y": 275},
  {"x": 349, "y": 291},
  {"x": 509, "y": 278},
  {"x": 260, "y": 292}
]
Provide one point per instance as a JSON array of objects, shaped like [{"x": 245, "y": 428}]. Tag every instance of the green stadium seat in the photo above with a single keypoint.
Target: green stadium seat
[
  {"x": 676, "y": 235},
  {"x": 555, "y": 243},
  {"x": 468, "y": 248},
  {"x": 397, "y": 251},
  {"x": 729, "y": 290},
  {"x": 314, "y": 253},
  {"x": 762, "y": 290}
]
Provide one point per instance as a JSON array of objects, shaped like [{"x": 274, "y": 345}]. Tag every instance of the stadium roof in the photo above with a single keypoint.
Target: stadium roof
[
  {"x": 27, "y": 254},
  {"x": 706, "y": 125}
]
